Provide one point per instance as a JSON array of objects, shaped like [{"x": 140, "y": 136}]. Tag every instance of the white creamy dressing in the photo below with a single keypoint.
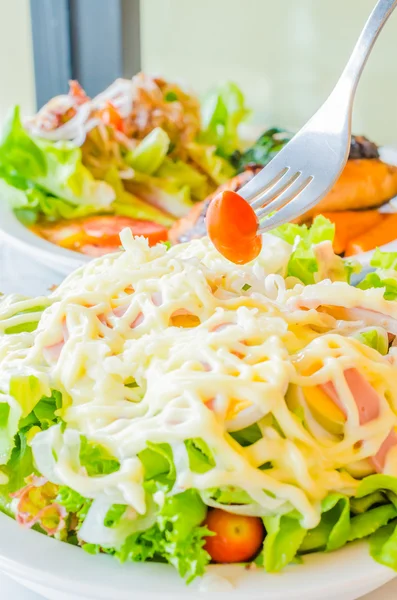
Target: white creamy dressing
[{"x": 112, "y": 321}]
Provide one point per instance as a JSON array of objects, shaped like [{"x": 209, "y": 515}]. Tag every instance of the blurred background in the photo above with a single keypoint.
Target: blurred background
[{"x": 286, "y": 55}]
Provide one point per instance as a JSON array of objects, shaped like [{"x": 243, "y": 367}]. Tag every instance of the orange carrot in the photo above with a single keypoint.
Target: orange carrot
[
  {"x": 349, "y": 224},
  {"x": 383, "y": 233}
]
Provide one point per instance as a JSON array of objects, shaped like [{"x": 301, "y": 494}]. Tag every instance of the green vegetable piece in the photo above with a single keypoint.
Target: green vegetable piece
[
  {"x": 284, "y": 537},
  {"x": 171, "y": 97},
  {"x": 333, "y": 530},
  {"x": 114, "y": 515},
  {"x": 150, "y": 153},
  {"x": 374, "y": 483},
  {"x": 248, "y": 435},
  {"x": 373, "y": 280},
  {"x": 158, "y": 464},
  {"x": 375, "y": 338},
  {"x": 201, "y": 459},
  {"x": 383, "y": 546},
  {"x": 246, "y": 287},
  {"x": 27, "y": 391},
  {"x": 384, "y": 260},
  {"x": 367, "y": 523},
  {"x": 361, "y": 505},
  {"x": 96, "y": 459}
]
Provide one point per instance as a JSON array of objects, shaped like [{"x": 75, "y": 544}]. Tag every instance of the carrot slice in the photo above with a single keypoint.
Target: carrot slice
[
  {"x": 383, "y": 233},
  {"x": 350, "y": 224}
]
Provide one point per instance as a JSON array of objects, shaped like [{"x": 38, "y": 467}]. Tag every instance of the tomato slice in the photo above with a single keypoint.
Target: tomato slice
[
  {"x": 99, "y": 235},
  {"x": 237, "y": 538},
  {"x": 106, "y": 229}
]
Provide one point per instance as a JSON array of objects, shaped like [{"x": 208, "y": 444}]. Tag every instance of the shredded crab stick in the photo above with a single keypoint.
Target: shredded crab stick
[{"x": 233, "y": 228}]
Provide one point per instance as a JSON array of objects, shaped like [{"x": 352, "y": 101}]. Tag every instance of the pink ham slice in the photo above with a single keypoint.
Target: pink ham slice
[
  {"x": 365, "y": 397},
  {"x": 379, "y": 460},
  {"x": 367, "y": 402}
]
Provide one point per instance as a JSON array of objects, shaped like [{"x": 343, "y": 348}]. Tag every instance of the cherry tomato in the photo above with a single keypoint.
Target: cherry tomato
[
  {"x": 110, "y": 116},
  {"x": 232, "y": 227},
  {"x": 237, "y": 539}
]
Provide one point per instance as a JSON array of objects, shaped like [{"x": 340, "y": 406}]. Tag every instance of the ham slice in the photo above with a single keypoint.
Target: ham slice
[
  {"x": 368, "y": 405},
  {"x": 379, "y": 460},
  {"x": 365, "y": 397}
]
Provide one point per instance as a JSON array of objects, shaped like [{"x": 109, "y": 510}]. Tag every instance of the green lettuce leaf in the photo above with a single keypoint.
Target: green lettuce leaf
[
  {"x": 150, "y": 152},
  {"x": 96, "y": 459},
  {"x": 18, "y": 150},
  {"x": 375, "y": 338},
  {"x": 375, "y": 483},
  {"x": 129, "y": 205},
  {"x": 263, "y": 150},
  {"x": 218, "y": 169},
  {"x": 28, "y": 390},
  {"x": 359, "y": 506},
  {"x": 383, "y": 546},
  {"x": 384, "y": 260},
  {"x": 185, "y": 175},
  {"x": 200, "y": 456},
  {"x": 230, "y": 495},
  {"x": 9, "y": 423},
  {"x": 248, "y": 435},
  {"x": 303, "y": 262},
  {"x": 373, "y": 280},
  {"x": 74, "y": 503},
  {"x": 162, "y": 194},
  {"x": 366, "y": 524},
  {"x": 282, "y": 542},
  {"x": 333, "y": 530},
  {"x": 177, "y": 537},
  {"x": 114, "y": 515},
  {"x": 223, "y": 110},
  {"x": 158, "y": 464}
]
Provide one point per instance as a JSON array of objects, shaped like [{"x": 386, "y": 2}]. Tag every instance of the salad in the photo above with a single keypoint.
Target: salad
[
  {"x": 167, "y": 405},
  {"x": 139, "y": 155}
]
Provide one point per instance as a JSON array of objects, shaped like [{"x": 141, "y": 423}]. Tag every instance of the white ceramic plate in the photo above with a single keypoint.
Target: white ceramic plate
[
  {"x": 64, "y": 261},
  {"x": 62, "y": 572}
]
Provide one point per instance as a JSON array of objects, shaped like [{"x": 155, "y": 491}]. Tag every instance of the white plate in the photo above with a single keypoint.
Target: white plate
[
  {"x": 62, "y": 572},
  {"x": 64, "y": 261}
]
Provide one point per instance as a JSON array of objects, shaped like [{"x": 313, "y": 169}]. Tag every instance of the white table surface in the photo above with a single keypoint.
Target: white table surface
[{"x": 19, "y": 273}]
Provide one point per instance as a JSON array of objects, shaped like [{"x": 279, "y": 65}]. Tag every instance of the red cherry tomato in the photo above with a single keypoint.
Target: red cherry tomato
[
  {"x": 237, "y": 538},
  {"x": 110, "y": 116},
  {"x": 232, "y": 227}
]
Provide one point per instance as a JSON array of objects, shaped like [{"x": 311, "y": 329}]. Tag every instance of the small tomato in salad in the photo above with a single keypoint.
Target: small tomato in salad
[{"x": 237, "y": 538}]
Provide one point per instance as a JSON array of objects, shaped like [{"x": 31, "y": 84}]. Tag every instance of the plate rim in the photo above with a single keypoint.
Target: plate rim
[{"x": 31, "y": 556}]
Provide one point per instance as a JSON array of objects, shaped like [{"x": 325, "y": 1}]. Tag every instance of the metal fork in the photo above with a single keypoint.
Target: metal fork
[{"x": 308, "y": 166}]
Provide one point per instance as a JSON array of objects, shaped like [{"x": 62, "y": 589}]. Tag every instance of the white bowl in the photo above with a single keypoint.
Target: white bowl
[
  {"x": 62, "y": 572},
  {"x": 65, "y": 261}
]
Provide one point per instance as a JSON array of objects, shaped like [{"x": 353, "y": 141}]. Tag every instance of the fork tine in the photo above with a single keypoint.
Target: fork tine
[
  {"x": 273, "y": 191},
  {"x": 307, "y": 198},
  {"x": 266, "y": 178},
  {"x": 286, "y": 196}
]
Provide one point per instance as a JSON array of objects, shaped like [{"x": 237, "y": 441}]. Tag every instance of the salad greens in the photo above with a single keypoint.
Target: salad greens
[{"x": 152, "y": 176}]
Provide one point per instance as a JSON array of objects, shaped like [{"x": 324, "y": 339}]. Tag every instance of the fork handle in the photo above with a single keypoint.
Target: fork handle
[{"x": 352, "y": 72}]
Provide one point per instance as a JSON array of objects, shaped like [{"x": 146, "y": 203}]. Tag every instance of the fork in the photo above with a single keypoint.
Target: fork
[{"x": 305, "y": 170}]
